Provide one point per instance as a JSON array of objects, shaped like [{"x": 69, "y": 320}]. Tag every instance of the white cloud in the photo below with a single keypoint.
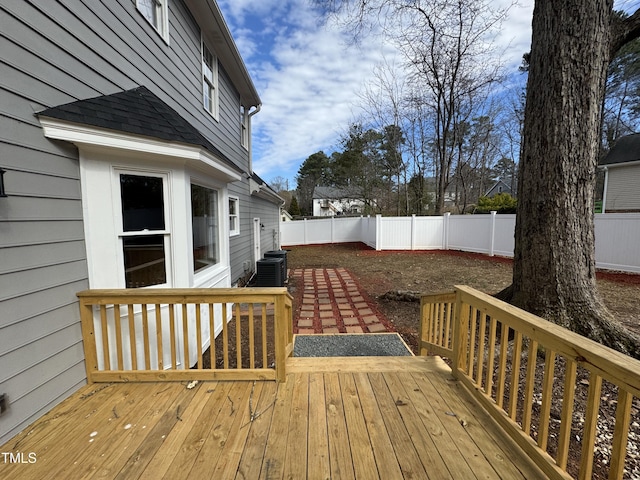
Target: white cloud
[{"x": 309, "y": 77}]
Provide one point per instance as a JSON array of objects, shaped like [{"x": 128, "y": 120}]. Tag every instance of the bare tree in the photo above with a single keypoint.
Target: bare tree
[{"x": 448, "y": 46}]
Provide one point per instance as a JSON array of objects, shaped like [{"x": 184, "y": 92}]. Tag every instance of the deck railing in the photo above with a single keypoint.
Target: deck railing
[
  {"x": 496, "y": 349},
  {"x": 158, "y": 334}
]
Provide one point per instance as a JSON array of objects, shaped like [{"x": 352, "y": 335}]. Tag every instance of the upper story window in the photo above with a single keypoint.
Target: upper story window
[
  {"x": 156, "y": 13},
  {"x": 209, "y": 81}
]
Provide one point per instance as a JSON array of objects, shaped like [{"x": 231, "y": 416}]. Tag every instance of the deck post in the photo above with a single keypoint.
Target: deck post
[
  {"x": 422, "y": 332},
  {"x": 281, "y": 334},
  {"x": 459, "y": 333},
  {"x": 88, "y": 338}
]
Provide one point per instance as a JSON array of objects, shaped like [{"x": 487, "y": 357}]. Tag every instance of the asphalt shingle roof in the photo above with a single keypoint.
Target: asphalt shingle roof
[
  {"x": 626, "y": 149},
  {"x": 137, "y": 111}
]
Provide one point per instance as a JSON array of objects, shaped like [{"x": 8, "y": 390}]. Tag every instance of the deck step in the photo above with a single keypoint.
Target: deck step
[{"x": 366, "y": 364}]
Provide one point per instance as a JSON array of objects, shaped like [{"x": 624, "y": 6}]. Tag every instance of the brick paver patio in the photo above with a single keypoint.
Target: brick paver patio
[{"x": 332, "y": 302}]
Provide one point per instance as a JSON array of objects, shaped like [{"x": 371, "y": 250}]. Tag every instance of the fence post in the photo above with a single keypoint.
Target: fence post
[
  {"x": 413, "y": 231},
  {"x": 445, "y": 231},
  {"x": 332, "y": 229},
  {"x": 378, "y": 231},
  {"x": 492, "y": 233},
  {"x": 304, "y": 232}
]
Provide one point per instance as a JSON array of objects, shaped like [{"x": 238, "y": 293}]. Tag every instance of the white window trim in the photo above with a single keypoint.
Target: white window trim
[
  {"x": 215, "y": 108},
  {"x": 163, "y": 21},
  {"x": 234, "y": 232}
]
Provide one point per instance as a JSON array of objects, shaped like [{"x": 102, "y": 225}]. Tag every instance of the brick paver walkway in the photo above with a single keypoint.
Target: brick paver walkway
[{"x": 332, "y": 302}]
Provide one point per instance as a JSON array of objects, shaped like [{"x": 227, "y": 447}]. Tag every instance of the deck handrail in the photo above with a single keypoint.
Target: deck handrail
[
  {"x": 468, "y": 326},
  {"x": 153, "y": 324}
]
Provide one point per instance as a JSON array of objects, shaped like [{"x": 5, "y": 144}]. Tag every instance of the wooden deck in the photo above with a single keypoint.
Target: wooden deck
[{"x": 334, "y": 418}]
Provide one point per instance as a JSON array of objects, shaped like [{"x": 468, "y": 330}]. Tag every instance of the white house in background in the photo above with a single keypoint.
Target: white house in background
[
  {"x": 331, "y": 201},
  {"x": 622, "y": 176},
  {"x": 284, "y": 215}
]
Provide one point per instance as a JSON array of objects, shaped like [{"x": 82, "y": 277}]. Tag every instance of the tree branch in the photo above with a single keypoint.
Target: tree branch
[{"x": 623, "y": 30}]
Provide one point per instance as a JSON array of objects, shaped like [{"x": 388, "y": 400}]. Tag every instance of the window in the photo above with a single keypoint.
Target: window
[
  {"x": 234, "y": 216},
  {"x": 209, "y": 81},
  {"x": 204, "y": 218},
  {"x": 244, "y": 128},
  {"x": 155, "y": 11},
  {"x": 144, "y": 232}
]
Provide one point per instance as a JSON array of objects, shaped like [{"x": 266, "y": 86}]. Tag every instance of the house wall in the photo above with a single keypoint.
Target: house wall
[
  {"x": 623, "y": 189},
  {"x": 52, "y": 53}
]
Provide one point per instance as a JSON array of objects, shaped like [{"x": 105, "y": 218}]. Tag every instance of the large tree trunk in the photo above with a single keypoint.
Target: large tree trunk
[{"x": 554, "y": 272}]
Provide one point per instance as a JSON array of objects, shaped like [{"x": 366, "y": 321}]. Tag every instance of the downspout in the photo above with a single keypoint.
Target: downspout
[
  {"x": 604, "y": 192},
  {"x": 250, "y": 141}
]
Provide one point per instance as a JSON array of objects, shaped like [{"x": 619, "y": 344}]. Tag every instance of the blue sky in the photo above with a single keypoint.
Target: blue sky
[{"x": 309, "y": 78}]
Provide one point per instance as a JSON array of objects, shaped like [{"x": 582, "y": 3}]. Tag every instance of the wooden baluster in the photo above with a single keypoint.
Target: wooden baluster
[
  {"x": 547, "y": 394},
  {"x": 159, "y": 337},
  {"x": 212, "y": 337},
  {"x": 238, "y": 337},
  {"x": 472, "y": 341},
  {"x": 225, "y": 337},
  {"x": 447, "y": 326},
  {"x": 117, "y": 320},
  {"x": 502, "y": 365},
  {"x": 590, "y": 426},
  {"x": 132, "y": 337},
  {"x": 185, "y": 335},
  {"x": 145, "y": 335},
  {"x": 481, "y": 340},
  {"x": 105, "y": 337},
  {"x": 199, "y": 334},
  {"x": 530, "y": 381},
  {"x": 515, "y": 376},
  {"x": 620, "y": 434},
  {"x": 252, "y": 346},
  {"x": 265, "y": 363},
  {"x": 440, "y": 328},
  {"x": 172, "y": 336},
  {"x": 568, "y": 395},
  {"x": 491, "y": 355}
]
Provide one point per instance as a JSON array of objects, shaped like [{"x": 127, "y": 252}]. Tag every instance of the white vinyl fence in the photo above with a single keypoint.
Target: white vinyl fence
[{"x": 617, "y": 235}]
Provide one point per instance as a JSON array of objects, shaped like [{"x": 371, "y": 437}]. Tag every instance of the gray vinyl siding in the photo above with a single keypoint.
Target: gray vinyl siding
[
  {"x": 623, "y": 193},
  {"x": 241, "y": 246},
  {"x": 57, "y": 52}
]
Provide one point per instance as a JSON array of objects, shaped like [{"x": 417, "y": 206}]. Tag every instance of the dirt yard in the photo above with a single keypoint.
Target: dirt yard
[{"x": 435, "y": 271}]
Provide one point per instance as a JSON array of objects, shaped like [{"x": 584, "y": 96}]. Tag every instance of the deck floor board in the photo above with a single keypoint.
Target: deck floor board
[{"x": 363, "y": 418}]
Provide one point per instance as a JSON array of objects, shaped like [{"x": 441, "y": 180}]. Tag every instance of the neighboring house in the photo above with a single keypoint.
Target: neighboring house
[
  {"x": 330, "y": 201},
  {"x": 125, "y": 134},
  {"x": 285, "y": 216},
  {"x": 622, "y": 176},
  {"x": 497, "y": 188}
]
